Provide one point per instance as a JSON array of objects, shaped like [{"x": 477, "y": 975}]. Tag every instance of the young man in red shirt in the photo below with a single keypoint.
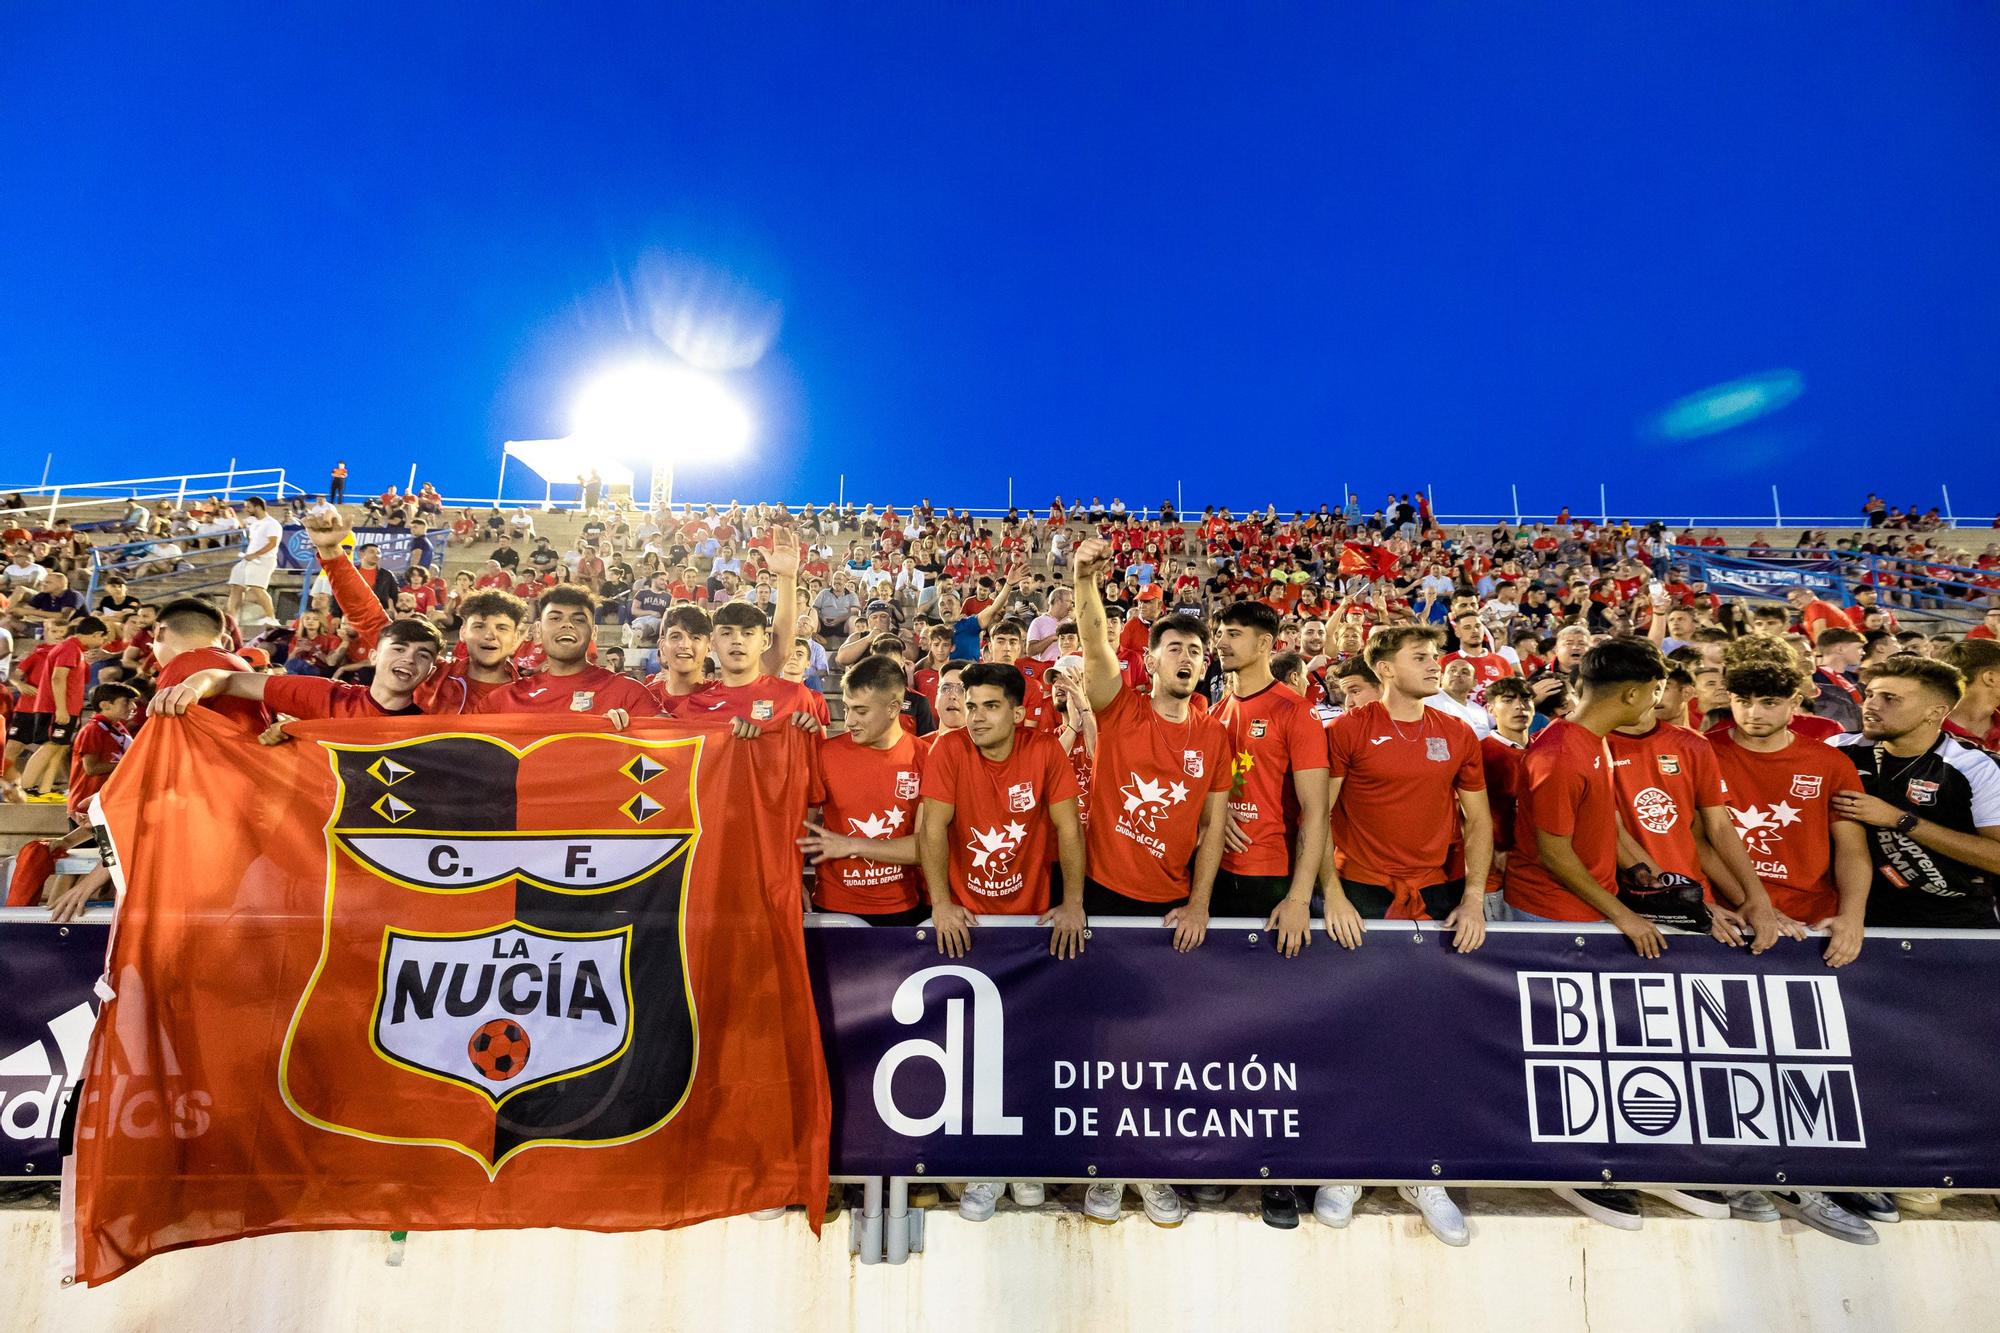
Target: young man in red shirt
[
  {"x": 100, "y": 744},
  {"x": 1277, "y": 829},
  {"x": 64, "y": 677},
  {"x": 995, "y": 795},
  {"x": 1007, "y": 643},
  {"x": 1976, "y": 716},
  {"x": 1402, "y": 778},
  {"x": 1674, "y": 818},
  {"x": 1474, "y": 647},
  {"x": 1511, "y": 705},
  {"x": 863, "y": 839},
  {"x": 404, "y": 654},
  {"x": 1781, "y": 788},
  {"x": 686, "y": 633},
  {"x": 744, "y": 691},
  {"x": 565, "y": 618}
]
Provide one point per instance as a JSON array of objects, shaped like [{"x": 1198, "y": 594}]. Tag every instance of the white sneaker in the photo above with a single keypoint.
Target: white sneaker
[
  {"x": 1026, "y": 1193},
  {"x": 1702, "y": 1203},
  {"x": 1441, "y": 1215},
  {"x": 1818, "y": 1211},
  {"x": 1212, "y": 1196},
  {"x": 1333, "y": 1205},
  {"x": 1751, "y": 1206},
  {"x": 1163, "y": 1207},
  {"x": 768, "y": 1214},
  {"x": 977, "y": 1199},
  {"x": 1104, "y": 1202}
]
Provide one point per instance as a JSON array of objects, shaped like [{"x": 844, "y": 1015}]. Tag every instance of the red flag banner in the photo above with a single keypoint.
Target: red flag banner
[{"x": 401, "y": 975}]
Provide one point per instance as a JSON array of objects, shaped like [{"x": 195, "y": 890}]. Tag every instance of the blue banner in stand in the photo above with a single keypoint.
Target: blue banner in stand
[
  {"x": 1732, "y": 576},
  {"x": 1547, "y": 1056},
  {"x": 48, "y": 974},
  {"x": 295, "y": 549}
]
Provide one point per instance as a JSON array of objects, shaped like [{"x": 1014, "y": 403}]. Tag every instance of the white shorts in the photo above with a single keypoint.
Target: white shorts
[{"x": 252, "y": 573}]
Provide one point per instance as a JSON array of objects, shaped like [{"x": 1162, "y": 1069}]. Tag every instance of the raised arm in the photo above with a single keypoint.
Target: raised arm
[{"x": 1101, "y": 677}]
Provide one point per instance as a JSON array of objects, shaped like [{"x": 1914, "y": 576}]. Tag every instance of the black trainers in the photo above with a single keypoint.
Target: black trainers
[
  {"x": 1614, "y": 1208},
  {"x": 1874, "y": 1207},
  {"x": 1280, "y": 1206}
]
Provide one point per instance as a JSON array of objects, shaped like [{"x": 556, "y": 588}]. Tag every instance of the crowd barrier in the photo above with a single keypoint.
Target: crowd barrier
[{"x": 1551, "y": 1055}]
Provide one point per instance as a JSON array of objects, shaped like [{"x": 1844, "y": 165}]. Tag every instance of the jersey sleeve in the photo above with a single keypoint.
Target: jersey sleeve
[
  {"x": 1471, "y": 775},
  {"x": 1983, "y": 776},
  {"x": 1556, "y": 791},
  {"x": 1305, "y": 741},
  {"x": 357, "y": 602},
  {"x": 300, "y": 696}
]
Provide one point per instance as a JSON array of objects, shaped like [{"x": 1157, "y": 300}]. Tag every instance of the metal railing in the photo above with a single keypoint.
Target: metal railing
[
  {"x": 234, "y": 483},
  {"x": 135, "y": 560}
]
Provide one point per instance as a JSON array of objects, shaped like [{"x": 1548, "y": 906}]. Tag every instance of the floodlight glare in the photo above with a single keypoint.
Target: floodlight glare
[
  {"x": 661, "y": 413},
  {"x": 664, "y": 414}
]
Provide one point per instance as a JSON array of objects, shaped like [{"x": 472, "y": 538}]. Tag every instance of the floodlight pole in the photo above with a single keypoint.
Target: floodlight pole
[{"x": 663, "y": 486}]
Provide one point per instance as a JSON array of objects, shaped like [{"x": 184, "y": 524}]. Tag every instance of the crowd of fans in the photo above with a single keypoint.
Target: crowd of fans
[{"x": 1334, "y": 717}]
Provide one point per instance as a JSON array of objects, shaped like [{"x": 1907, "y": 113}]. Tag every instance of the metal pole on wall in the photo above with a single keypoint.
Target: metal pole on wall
[
  {"x": 48, "y": 461},
  {"x": 1603, "y": 506},
  {"x": 500, "y": 482},
  {"x": 1516, "y": 489},
  {"x": 1010, "y": 492},
  {"x": 229, "y": 482},
  {"x": 841, "y": 502},
  {"x": 1180, "y": 506},
  {"x": 1949, "y": 521},
  {"x": 411, "y": 487},
  {"x": 1777, "y": 514}
]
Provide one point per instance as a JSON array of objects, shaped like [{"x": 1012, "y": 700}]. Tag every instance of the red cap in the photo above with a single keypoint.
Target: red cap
[
  {"x": 1149, "y": 593},
  {"x": 256, "y": 657}
]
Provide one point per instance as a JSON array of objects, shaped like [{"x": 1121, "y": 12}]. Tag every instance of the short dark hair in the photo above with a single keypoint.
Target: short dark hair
[
  {"x": 1942, "y": 677},
  {"x": 1762, "y": 678},
  {"x": 1354, "y": 669},
  {"x": 111, "y": 692},
  {"x": 1007, "y": 678},
  {"x": 1833, "y": 638},
  {"x": 742, "y": 615},
  {"x": 1178, "y": 623},
  {"x": 1284, "y": 664},
  {"x": 874, "y": 672},
  {"x": 1252, "y": 616},
  {"x": 1008, "y": 625},
  {"x": 1509, "y": 687},
  {"x": 412, "y": 629},
  {"x": 1972, "y": 656},
  {"x": 566, "y": 594},
  {"x": 689, "y": 618},
  {"x": 90, "y": 625},
  {"x": 885, "y": 643},
  {"x": 1067, "y": 627},
  {"x": 957, "y": 665},
  {"x": 1623, "y": 660},
  {"x": 191, "y": 615},
  {"x": 492, "y": 602}
]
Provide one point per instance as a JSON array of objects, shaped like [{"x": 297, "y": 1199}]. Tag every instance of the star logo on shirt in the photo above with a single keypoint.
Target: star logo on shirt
[
  {"x": 1146, "y": 801},
  {"x": 993, "y": 849},
  {"x": 1785, "y": 813},
  {"x": 874, "y": 826}
]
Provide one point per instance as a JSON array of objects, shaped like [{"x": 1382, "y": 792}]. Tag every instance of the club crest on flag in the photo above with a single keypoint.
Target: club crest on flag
[
  {"x": 1805, "y": 786},
  {"x": 504, "y": 959}
]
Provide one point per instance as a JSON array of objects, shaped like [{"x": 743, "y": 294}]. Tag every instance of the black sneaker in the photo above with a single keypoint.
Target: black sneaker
[
  {"x": 1614, "y": 1208},
  {"x": 1874, "y": 1207},
  {"x": 1280, "y": 1207}
]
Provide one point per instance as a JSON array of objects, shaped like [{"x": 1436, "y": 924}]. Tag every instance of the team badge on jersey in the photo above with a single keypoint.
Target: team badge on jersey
[
  {"x": 761, "y": 710},
  {"x": 1258, "y": 726},
  {"x": 581, "y": 700},
  {"x": 1437, "y": 749},
  {"x": 1021, "y": 796},
  {"x": 1922, "y": 792},
  {"x": 1805, "y": 786},
  {"x": 907, "y": 784},
  {"x": 1670, "y": 764},
  {"x": 1191, "y": 760}
]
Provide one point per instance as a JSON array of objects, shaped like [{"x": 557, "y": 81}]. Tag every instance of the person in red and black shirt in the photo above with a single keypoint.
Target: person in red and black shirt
[
  {"x": 1511, "y": 705},
  {"x": 404, "y": 655},
  {"x": 63, "y": 680},
  {"x": 100, "y": 744}
]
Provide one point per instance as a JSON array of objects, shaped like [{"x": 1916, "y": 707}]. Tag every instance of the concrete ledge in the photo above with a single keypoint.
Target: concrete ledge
[{"x": 1539, "y": 1270}]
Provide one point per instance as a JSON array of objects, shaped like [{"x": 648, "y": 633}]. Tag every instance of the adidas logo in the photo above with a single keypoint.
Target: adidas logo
[{"x": 33, "y": 1088}]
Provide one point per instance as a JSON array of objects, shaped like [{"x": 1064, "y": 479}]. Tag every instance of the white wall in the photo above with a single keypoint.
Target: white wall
[{"x": 1547, "y": 1273}]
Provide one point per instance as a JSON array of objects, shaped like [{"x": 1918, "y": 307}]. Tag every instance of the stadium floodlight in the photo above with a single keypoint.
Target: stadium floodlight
[{"x": 664, "y": 414}]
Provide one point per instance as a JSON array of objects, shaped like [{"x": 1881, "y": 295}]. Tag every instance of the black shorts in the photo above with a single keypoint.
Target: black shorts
[
  {"x": 1247, "y": 895},
  {"x": 914, "y": 916},
  {"x": 1372, "y": 901},
  {"x": 29, "y": 728},
  {"x": 1099, "y": 900}
]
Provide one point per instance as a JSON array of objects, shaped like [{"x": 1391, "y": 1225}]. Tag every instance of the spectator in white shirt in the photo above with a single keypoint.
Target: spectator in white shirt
[
  {"x": 1042, "y": 636},
  {"x": 1456, "y": 698}
]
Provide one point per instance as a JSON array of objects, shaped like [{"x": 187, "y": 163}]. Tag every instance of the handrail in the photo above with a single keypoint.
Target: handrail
[{"x": 99, "y": 492}]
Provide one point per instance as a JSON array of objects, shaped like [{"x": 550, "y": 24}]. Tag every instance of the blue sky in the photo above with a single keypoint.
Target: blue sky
[{"x": 1255, "y": 253}]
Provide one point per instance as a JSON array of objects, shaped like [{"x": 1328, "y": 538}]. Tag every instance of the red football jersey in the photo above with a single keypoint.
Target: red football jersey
[
  {"x": 1000, "y": 831},
  {"x": 1397, "y": 813},
  {"x": 589, "y": 690},
  {"x": 64, "y": 656},
  {"x": 248, "y": 714},
  {"x": 767, "y": 699},
  {"x": 1782, "y": 806},
  {"x": 1154, "y": 777},
  {"x": 1564, "y": 788},
  {"x": 1272, "y": 735},
  {"x": 1663, "y": 778},
  {"x": 317, "y": 697},
  {"x": 99, "y": 738},
  {"x": 1502, "y": 759},
  {"x": 870, "y": 793}
]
